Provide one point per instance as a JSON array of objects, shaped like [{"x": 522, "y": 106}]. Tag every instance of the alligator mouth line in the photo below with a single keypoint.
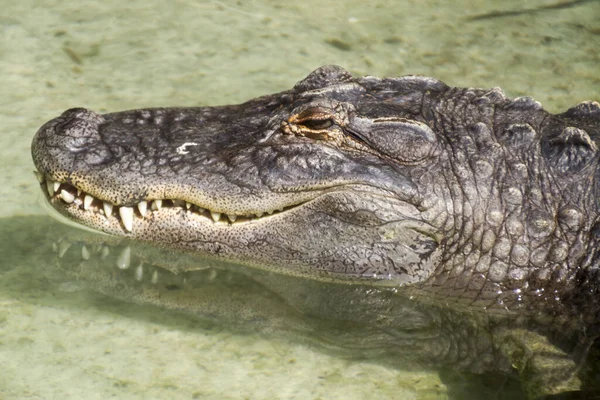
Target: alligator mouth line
[{"x": 72, "y": 196}]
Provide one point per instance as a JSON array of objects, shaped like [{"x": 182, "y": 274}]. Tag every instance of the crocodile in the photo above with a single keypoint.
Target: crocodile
[{"x": 458, "y": 196}]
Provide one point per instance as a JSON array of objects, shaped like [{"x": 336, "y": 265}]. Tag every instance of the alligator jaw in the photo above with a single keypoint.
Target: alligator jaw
[{"x": 276, "y": 239}]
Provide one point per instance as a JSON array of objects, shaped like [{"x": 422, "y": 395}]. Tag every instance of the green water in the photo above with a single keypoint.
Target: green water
[{"x": 63, "y": 342}]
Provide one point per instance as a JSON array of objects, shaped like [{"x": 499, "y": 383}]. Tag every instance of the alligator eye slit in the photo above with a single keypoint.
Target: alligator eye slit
[
  {"x": 316, "y": 124},
  {"x": 70, "y": 196}
]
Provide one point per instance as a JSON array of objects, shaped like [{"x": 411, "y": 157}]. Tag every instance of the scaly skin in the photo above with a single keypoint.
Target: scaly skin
[{"x": 404, "y": 181}]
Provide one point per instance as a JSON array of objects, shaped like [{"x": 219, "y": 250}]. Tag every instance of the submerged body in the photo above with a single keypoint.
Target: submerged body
[{"x": 482, "y": 200}]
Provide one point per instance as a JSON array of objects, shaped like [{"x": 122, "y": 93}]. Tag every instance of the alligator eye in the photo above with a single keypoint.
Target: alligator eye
[
  {"x": 316, "y": 124},
  {"x": 313, "y": 122}
]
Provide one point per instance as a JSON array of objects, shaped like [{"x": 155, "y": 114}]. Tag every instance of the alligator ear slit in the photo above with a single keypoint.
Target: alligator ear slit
[{"x": 405, "y": 140}]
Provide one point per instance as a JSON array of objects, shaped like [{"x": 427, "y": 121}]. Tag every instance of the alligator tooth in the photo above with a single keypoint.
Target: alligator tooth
[
  {"x": 104, "y": 252},
  {"x": 87, "y": 201},
  {"x": 232, "y": 217},
  {"x": 139, "y": 272},
  {"x": 126, "y": 214},
  {"x": 66, "y": 196},
  {"x": 85, "y": 253},
  {"x": 56, "y": 186},
  {"x": 107, "y": 208},
  {"x": 215, "y": 216},
  {"x": 39, "y": 176},
  {"x": 259, "y": 214},
  {"x": 124, "y": 259},
  {"x": 188, "y": 205},
  {"x": 50, "y": 187},
  {"x": 143, "y": 207},
  {"x": 156, "y": 205},
  {"x": 78, "y": 192},
  {"x": 201, "y": 210},
  {"x": 270, "y": 212},
  {"x": 63, "y": 247},
  {"x": 154, "y": 277}
]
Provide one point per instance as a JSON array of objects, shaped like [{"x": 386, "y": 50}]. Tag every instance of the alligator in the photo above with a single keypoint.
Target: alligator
[{"x": 454, "y": 196}]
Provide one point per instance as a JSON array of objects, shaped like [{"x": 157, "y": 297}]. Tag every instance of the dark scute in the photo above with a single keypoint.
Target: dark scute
[
  {"x": 586, "y": 109},
  {"x": 323, "y": 77},
  {"x": 585, "y": 115},
  {"x": 518, "y": 135},
  {"x": 570, "y": 151},
  {"x": 524, "y": 103}
]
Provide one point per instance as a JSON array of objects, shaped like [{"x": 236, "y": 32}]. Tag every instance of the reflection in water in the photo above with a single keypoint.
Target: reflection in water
[{"x": 401, "y": 329}]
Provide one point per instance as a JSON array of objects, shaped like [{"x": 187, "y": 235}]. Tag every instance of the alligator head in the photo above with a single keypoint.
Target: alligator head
[{"x": 405, "y": 180}]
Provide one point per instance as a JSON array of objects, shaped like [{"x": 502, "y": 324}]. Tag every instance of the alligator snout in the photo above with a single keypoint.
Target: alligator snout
[{"x": 58, "y": 142}]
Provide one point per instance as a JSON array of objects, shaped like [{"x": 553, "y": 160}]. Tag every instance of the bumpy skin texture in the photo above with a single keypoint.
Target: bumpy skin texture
[{"x": 401, "y": 181}]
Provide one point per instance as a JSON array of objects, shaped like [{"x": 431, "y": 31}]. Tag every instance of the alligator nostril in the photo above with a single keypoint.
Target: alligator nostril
[
  {"x": 82, "y": 114},
  {"x": 59, "y": 141},
  {"x": 77, "y": 129}
]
